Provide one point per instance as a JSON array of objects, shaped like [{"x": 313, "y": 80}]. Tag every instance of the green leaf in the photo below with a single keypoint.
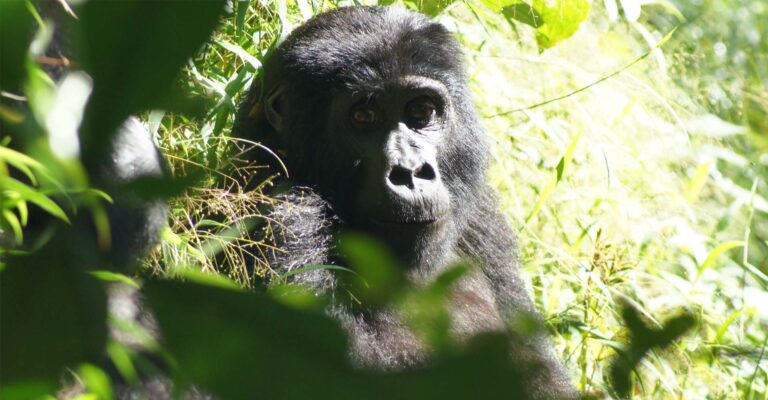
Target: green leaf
[
  {"x": 297, "y": 296},
  {"x": 555, "y": 178},
  {"x": 523, "y": 12},
  {"x": 10, "y": 219},
  {"x": 109, "y": 276},
  {"x": 22, "y": 162},
  {"x": 209, "y": 279},
  {"x": 121, "y": 357},
  {"x": 21, "y": 206},
  {"x": 52, "y": 315},
  {"x": 697, "y": 182},
  {"x": 544, "y": 195},
  {"x": 15, "y": 34},
  {"x": 561, "y": 19},
  {"x": 720, "y": 249},
  {"x": 241, "y": 53},
  {"x": 240, "y": 13},
  {"x": 382, "y": 277},
  {"x": 425, "y": 309},
  {"x": 134, "y": 56},
  {"x": 256, "y": 341},
  {"x": 434, "y": 7},
  {"x": 723, "y": 328},
  {"x": 32, "y": 195},
  {"x": 565, "y": 161},
  {"x": 96, "y": 381},
  {"x": 499, "y": 5}
]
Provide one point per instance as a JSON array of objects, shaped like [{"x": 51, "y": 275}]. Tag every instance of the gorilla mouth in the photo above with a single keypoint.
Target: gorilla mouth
[
  {"x": 415, "y": 221},
  {"x": 404, "y": 216}
]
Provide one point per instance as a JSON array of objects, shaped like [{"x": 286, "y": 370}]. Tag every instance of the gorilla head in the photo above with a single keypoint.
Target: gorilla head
[{"x": 371, "y": 106}]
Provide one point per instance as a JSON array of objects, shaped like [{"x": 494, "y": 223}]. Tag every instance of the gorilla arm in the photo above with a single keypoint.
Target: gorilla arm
[
  {"x": 494, "y": 246},
  {"x": 301, "y": 231}
]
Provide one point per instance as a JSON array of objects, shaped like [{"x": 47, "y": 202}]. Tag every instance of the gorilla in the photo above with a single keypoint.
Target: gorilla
[{"x": 369, "y": 110}]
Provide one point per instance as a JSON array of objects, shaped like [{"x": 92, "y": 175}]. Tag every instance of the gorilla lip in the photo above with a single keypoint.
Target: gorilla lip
[{"x": 408, "y": 222}]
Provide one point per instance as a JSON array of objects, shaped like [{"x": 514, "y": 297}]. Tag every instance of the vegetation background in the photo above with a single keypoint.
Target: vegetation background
[{"x": 630, "y": 151}]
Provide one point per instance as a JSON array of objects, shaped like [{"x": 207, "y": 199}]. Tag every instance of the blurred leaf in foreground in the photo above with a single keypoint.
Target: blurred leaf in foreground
[
  {"x": 379, "y": 276},
  {"x": 642, "y": 339},
  {"x": 260, "y": 346},
  {"x": 266, "y": 348},
  {"x": 15, "y": 24},
  {"x": 52, "y": 316},
  {"x": 132, "y": 71}
]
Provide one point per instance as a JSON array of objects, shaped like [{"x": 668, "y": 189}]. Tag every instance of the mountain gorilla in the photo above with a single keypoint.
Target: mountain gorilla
[{"x": 370, "y": 110}]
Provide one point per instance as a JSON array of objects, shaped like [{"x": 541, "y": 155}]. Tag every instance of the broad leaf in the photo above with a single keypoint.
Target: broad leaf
[
  {"x": 133, "y": 51},
  {"x": 561, "y": 19},
  {"x": 15, "y": 33},
  {"x": 524, "y": 13},
  {"x": 52, "y": 316},
  {"x": 434, "y": 7},
  {"x": 554, "y": 20}
]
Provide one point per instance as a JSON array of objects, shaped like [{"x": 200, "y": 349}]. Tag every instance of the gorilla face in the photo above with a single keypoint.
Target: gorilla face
[
  {"x": 387, "y": 140},
  {"x": 392, "y": 133},
  {"x": 384, "y": 130}
]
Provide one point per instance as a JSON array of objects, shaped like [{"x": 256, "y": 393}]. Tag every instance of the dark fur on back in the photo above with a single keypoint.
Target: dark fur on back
[{"x": 353, "y": 49}]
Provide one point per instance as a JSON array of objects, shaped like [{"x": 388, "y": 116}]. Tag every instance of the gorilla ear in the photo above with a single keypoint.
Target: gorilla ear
[{"x": 274, "y": 108}]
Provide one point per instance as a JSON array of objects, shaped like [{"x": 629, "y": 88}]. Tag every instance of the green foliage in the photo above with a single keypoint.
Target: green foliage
[
  {"x": 379, "y": 281},
  {"x": 16, "y": 195},
  {"x": 168, "y": 36},
  {"x": 433, "y": 7},
  {"x": 263, "y": 347},
  {"x": 52, "y": 311},
  {"x": 14, "y": 18},
  {"x": 554, "y": 21},
  {"x": 642, "y": 340},
  {"x": 524, "y": 13},
  {"x": 561, "y": 19},
  {"x": 378, "y": 278},
  {"x": 52, "y": 315},
  {"x": 557, "y": 175}
]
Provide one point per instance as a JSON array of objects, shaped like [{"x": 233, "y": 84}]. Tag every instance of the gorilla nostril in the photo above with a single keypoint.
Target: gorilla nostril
[
  {"x": 425, "y": 172},
  {"x": 400, "y": 176}
]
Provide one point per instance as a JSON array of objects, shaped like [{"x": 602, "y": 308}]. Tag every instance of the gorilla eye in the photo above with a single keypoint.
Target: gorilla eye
[
  {"x": 364, "y": 116},
  {"x": 420, "y": 112}
]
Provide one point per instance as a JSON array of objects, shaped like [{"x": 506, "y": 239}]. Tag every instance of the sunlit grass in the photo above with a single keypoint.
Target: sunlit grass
[{"x": 633, "y": 218}]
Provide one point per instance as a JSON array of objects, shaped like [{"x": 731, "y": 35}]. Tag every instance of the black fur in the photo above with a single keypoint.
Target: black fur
[
  {"x": 135, "y": 222},
  {"x": 294, "y": 110}
]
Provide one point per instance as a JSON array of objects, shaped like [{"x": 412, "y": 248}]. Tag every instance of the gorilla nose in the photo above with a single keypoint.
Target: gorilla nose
[{"x": 411, "y": 178}]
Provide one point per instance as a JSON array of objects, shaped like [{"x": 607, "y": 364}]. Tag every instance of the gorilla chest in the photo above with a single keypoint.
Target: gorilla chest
[{"x": 385, "y": 340}]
